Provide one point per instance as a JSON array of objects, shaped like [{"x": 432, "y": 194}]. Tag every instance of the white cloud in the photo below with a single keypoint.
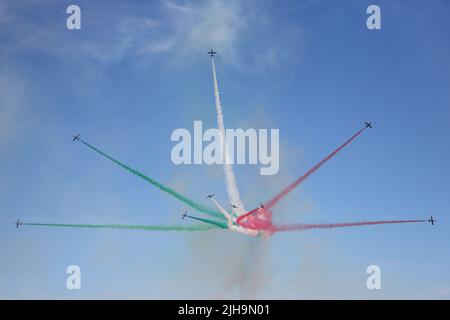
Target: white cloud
[
  {"x": 214, "y": 24},
  {"x": 242, "y": 31}
]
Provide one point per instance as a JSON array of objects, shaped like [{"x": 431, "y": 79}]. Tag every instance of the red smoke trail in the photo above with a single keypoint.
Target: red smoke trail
[
  {"x": 257, "y": 219},
  {"x": 245, "y": 217},
  {"x": 293, "y": 185},
  {"x": 304, "y": 227},
  {"x": 261, "y": 220}
]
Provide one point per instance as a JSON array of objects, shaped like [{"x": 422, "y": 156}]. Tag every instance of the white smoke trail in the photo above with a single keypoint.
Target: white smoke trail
[
  {"x": 231, "y": 226},
  {"x": 230, "y": 180}
]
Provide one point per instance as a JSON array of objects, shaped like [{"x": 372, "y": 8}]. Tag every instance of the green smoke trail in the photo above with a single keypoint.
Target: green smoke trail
[
  {"x": 124, "y": 226},
  {"x": 211, "y": 222},
  {"x": 164, "y": 188}
]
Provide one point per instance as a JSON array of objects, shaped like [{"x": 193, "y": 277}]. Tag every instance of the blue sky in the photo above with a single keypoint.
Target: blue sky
[{"x": 137, "y": 70}]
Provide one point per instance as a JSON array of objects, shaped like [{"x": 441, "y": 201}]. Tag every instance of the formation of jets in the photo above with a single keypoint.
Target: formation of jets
[
  {"x": 232, "y": 225},
  {"x": 76, "y": 137}
]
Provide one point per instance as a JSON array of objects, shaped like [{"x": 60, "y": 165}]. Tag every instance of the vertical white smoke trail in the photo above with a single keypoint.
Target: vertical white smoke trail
[{"x": 230, "y": 180}]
